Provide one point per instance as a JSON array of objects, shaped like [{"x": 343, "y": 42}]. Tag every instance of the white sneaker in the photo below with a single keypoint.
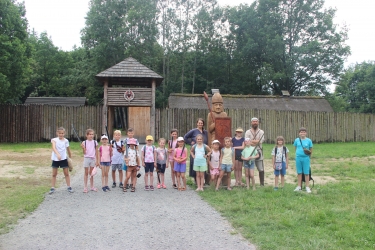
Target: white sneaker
[
  {"x": 297, "y": 189},
  {"x": 308, "y": 190}
]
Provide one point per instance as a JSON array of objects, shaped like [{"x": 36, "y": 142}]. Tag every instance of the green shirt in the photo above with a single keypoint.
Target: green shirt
[{"x": 247, "y": 151}]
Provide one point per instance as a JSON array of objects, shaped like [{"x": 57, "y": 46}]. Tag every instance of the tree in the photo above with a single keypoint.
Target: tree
[
  {"x": 356, "y": 87},
  {"x": 14, "y": 50}
]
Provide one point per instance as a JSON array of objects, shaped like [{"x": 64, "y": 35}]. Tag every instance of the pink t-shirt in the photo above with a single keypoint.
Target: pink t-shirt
[
  {"x": 149, "y": 155},
  {"x": 178, "y": 153},
  {"x": 90, "y": 148},
  {"x": 105, "y": 155},
  {"x": 171, "y": 154}
]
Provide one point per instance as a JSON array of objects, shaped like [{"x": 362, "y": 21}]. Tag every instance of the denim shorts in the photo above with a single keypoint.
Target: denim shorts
[
  {"x": 226, "y": 167},
  {"x": 149, "y": 167},
  {"x": 249, "y": 164},
  {"x": 106, "y": 164},
  {"x": 282, "y": 171}
]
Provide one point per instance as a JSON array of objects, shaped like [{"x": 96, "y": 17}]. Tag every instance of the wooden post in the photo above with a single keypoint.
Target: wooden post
[
  {"x": 105, "y": 108},
  {"x": 152, "y": 118}
]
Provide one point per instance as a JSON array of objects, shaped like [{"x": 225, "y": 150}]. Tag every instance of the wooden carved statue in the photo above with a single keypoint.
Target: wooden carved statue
[{"x": 217, "y": 112}]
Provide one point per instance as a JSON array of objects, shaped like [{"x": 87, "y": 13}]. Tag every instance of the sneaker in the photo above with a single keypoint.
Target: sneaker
[
  {"x": 275, "y": 188},
  {"x": 152, "y": 188},
  {"x": 104, "y": 189},
  {"x": 114, "y": 185},
  {"x": 297, "y": 189},
  {"x": 107, "y": 188},
  {"x": 51, "y": 191},
  {"x": 70, "y": 190},
  {"x": 146, "y": 188},
  {"x": 158, "y": 186},
  {"x": 308, "y": 190},
  {"x": 121, "y": 185},
  {"x": 174, "y": 186}
]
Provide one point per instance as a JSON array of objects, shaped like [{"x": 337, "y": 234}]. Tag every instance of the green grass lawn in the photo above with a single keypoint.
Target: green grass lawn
[{"x": 337, "y": 215}]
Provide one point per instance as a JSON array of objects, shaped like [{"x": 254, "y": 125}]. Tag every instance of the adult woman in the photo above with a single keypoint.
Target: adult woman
[{"x": 189, "y": 138}]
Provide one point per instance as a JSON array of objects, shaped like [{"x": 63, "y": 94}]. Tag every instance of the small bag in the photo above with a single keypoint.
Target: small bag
[
  {"x": 278, "y": 165},
  {"x": 306, "y": 151}
]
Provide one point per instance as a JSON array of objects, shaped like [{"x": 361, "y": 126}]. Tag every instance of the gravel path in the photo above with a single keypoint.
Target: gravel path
[{"x": 162, "y": 219}]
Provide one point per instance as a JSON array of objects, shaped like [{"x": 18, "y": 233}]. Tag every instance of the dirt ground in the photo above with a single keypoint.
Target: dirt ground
[{"x": 36, "y": 163}]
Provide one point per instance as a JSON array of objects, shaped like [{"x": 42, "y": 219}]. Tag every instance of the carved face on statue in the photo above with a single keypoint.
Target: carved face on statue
[{"x": 217, "y": 103}]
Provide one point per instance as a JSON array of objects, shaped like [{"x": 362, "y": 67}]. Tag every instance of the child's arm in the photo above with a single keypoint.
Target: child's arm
[
  {"x": 155, "y": 161},
  {"x": 221, "y": 157},
  {"x": 185, "y": 153},
  {"x": 55, "y": 150},
  {"x": 192, "y": 152},
  {"x": 83, "y": 147},
  {"x": 209, "y": 151},
  {"x": 287, "y": 159},
  {"x": 142, "y": 155},
  {"x": 273, "y": 161},
  {"x": 233, "y": 158},
  {"x": 98, "y": 156},
  {"x": 240, "y": 147}
]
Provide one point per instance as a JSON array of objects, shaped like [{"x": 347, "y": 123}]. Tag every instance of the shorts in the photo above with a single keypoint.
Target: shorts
[
  {"x": 132, "y": 169},
  {"x": 160, "y": 168},
  {"x": 105, "y": 164},
  {"x": 116, "y": 167},
  {"x": 61, "y": 164},
  {"x": 282, "y": 171},
  {"x": 200, "y": 168},
  {"x": 259, "y": 165},
  {"x": 215, "y": 171},
  {"x": 238, "y": 158},
  {"x": 249, "y": 164},
  {"x": 180, "y": 167},
  {"x": 149, "y": 167},
  {"x": 303, "y": 165},
  {"x": 226, "y": 167},
  {"x": 89, "y": 162}
]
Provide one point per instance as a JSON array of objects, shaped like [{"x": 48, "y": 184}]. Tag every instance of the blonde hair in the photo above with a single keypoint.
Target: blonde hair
[
  {"x": 227, "y": 139},
  {"x": 280, "y": 138},
  {"x": 116, "y": 132},
  {"x": 161, "y": 139},
  {"x": 89, "y": 130},
  {"x": 200, "y": 135}
]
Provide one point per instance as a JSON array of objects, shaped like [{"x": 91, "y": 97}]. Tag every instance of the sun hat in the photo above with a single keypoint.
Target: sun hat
[
  {"x": 180, "y": 139},
  {"x": 149, "y": 137},
  {"x": 239, "y": 129},
  {"x": 132, "y": 141},
  {"x": 104, "y": 137},
  {"x": 215, "y": 141},
  {"x": 254, "y": 119}
]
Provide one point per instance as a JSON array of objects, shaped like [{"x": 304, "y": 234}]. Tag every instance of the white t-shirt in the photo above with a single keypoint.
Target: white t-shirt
[
  {"x": 117, "y": 157},
  {"x": 61, "y": 146}
]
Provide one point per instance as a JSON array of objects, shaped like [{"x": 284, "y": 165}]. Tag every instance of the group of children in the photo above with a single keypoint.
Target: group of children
[{"x": 237, "y": 152}]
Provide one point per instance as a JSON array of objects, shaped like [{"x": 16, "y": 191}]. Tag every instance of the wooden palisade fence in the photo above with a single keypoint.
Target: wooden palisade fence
[{"x": 37, "y": 123}]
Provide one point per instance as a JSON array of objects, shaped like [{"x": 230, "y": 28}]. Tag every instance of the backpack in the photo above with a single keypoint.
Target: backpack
[
  {"x": 95, "y": 142},
  {"x": 205, "y": 148}
]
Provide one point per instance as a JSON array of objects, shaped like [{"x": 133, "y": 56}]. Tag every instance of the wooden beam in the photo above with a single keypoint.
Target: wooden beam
[
  {"x": 105, "y": 108},
  {"x": 152, "y": 118}
]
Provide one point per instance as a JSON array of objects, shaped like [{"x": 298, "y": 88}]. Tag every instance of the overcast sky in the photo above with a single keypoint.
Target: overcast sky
[{"x": 64, "y": 19}]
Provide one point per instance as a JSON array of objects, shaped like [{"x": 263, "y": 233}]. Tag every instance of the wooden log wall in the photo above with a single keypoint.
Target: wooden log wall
[
  {"x": 321, "y": 126},
  {"x": 38, "y": 123}
]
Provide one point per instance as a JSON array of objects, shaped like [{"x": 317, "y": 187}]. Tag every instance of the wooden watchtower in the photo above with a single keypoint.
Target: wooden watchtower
[{"x": 133, "y": 85}]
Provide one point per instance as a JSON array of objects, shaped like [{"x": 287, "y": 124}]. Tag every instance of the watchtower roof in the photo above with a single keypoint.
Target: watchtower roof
[{"x": 129, "y": 72}]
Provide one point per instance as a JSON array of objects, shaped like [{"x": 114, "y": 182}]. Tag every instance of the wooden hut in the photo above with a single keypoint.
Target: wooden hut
[{"x": 130, "y": 84}]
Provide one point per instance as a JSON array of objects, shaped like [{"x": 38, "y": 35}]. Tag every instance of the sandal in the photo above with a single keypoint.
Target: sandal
[
  {"x": 85, "y": 190},
  {"x": 183, "y": 188},
  {"x": 94, "y": 189},
  {"x": 229, "y": 188},
  {"x": 124, "y": 189},
  {"x": 133, "y": 189}
]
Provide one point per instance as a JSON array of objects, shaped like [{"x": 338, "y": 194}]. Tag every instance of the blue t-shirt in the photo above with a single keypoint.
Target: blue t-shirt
[
  {"x": 238, "y": 143},
  {"x": 306, "y": 143}
]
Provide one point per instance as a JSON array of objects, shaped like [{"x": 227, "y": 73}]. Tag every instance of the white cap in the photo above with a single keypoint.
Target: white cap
[
  {"x": 215, "y": 141},
  {"x": 180, "y": 139},
  {"x": 104, "y": 137}
]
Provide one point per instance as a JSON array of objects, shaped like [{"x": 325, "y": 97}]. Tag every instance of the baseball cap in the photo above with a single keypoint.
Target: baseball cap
[
  {"x": 149, "y": 137},
  {"x": 104, "y": 137},
  {"x": 132, "y": 141},
  {"x": 247, "y": 139},
  {"x": 180, "y": 139},
  {"x": 215, "y": 141}
]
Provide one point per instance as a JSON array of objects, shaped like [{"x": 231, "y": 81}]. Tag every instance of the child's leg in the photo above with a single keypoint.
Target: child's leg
[
  {"x": 134, "y": 177},
  {"x": 252, "y": 178},
  {"x": 146, "y": 178},
  {"x": 212, "y": 179},
  {"x": 67, "y": 177},
  {"x": 178, "y": 179},
  {"x": 54, "y": 174},
  {"x": 173, "y": 173},
  {"x": 229, "y": 180},
  {"x": 121, "y": 175},
  {"x": 237, "y": 172},
  {"x": 91, "y": 178},
  {"x": 183, "y": 180},
  {"x": 85, "y": 177},
  {"x": 247, "y": 176},
  {"x": 219, "y": 179},
  {"x": 282, "y": 181},
  {"x": 198, "y": 180},
  {"x": 307, "y": 180},
  {"x": 103, "y": 176},
  {"x": 201, "y": 180},
  {"x": 162, "y": 178},
  {"x": 151, "y": 178},
  {"x": 300, "y": 180},
  {"x": 114, "y": 176},
  {"x": 277, "y": 180},
  {"x": 128, "y": 176}
]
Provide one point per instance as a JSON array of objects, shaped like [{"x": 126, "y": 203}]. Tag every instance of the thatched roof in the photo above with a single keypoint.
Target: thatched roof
[
  {"x": 129, "y": 72},
  {"x": 63, "y": 101},
  {"x": 293, "y": 103}
]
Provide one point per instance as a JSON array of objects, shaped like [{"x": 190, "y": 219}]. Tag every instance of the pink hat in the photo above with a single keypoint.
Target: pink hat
[{"x": 132, "y": 141}]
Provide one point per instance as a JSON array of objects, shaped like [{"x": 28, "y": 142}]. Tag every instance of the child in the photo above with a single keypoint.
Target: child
[
  {"x": 117, "y": 159},
  {"x": 89, "y": 154},
  {"x": 130, "y": 134},
  {"x": 227, "y": 162},
  {"x": 60, "y": 146},
  {"x": 303, "y": 147},
  {"x": 172, "y": 144},
  {"x": 180, "y": 156},
  {"x": 132, "y": 162},
  {"x": 103, "y": 158},
  {"x": 214, "y": 161},
  {"x": 280, "y": 161},
  {"x": 161, "y": 162},
  {"x": 238, "y": 145},
  {"x": 249, "y": 154},
  {"x": 148, "y": 161},
  {"x": 200, "y": 152}
]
